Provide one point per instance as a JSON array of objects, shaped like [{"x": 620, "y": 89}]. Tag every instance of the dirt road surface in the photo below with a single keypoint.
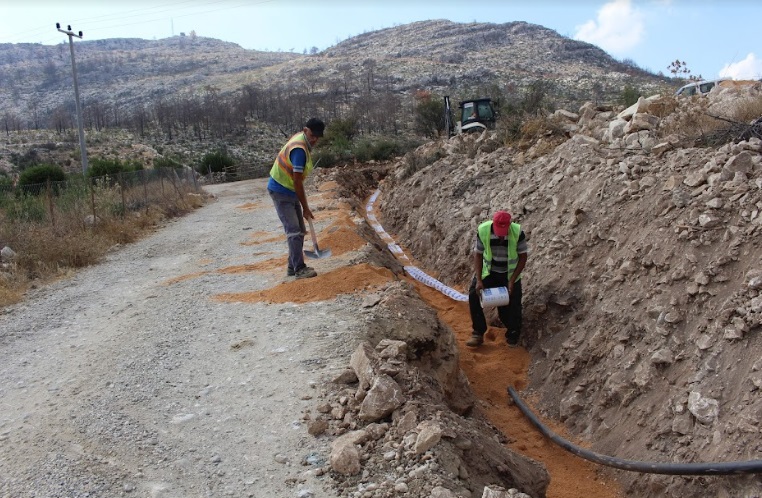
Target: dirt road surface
[{"x": 131, "y": 379}]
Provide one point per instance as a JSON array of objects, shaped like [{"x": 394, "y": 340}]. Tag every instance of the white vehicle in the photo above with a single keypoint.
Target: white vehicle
[{"x": 698, "y": 87}]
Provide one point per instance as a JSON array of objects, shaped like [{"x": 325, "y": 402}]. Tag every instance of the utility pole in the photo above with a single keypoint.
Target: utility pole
[{"x": 82, "y": 148}]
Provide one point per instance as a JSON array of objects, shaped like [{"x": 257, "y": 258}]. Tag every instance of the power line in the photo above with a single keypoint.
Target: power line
[
  {"x": 164, "y": 13},
  {"x": 90, "y": 20}
]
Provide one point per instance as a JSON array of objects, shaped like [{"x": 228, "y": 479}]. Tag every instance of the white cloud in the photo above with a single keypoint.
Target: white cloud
[
  {"x": 748, "y": 69},
  {"x": 618, "y": 28}
]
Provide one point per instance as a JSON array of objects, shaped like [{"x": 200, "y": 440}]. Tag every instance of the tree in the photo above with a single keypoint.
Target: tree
[
  {"x": 215, "y": 162},
  {"x": 429, "y": 114},
  {"x": 629, "y": 96},
  {"x": 679, "y": 69}
]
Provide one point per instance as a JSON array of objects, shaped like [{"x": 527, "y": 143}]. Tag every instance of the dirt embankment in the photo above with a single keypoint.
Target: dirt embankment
[{"x": 642, "y": 291}]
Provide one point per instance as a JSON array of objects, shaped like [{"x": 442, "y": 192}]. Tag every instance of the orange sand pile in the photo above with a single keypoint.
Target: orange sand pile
[
  {"x": 263, "y": 237},
  {"x": 250, "y": 206},
  {"x": 347, "y": 280},
  {"x": 339, "y": 241},
  {"x": 183, "y": 278},
  {"x": 267, "y": 265}
]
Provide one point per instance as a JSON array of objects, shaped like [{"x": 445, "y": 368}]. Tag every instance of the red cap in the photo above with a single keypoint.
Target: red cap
[{"x": 501, "y": 223}]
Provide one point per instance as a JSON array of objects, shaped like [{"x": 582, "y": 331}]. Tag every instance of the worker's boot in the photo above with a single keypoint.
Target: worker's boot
[
  {"x": 305, "y": 272},
  {"x": 512, "y": 338},
  {"x": 475, "y": 341}
]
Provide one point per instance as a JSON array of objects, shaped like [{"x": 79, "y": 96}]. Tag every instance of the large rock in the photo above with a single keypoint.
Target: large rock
[
  {"x": 345, "y": 456},
  {"x": 384, "y": 396}
]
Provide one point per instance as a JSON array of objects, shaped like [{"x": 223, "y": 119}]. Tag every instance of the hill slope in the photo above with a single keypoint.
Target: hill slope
[{"x": 442, "y": 56}]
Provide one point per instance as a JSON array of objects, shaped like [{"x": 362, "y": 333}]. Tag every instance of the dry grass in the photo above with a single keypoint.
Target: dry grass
[
  {"x": 697, "y": 123},
  {"x": 47, "y": 249},
  {"x": 538, "y": 132}
]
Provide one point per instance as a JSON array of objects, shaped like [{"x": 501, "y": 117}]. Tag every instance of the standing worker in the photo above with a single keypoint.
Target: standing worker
[
  {"x": 499, "y": 257},
  {"x": 286, "y": 188}
]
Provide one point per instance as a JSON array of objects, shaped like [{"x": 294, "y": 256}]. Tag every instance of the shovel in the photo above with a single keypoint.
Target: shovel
[{"x": 317, "y": 253}]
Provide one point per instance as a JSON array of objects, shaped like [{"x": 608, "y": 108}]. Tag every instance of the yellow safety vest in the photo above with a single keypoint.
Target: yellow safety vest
[
  {"x": 485, "y": 231},
  {"x": 282, "y": 170}
]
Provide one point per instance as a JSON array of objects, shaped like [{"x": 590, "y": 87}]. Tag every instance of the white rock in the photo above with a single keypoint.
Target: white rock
[
  {"x": 7, "y": 254},
  {"x": 704, "y": 409}
]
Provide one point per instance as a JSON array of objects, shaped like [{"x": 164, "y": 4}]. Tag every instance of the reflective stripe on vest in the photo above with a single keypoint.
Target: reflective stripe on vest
[
  {"x": 282, "y": 170},
  {"x": 485, "y": 232}
]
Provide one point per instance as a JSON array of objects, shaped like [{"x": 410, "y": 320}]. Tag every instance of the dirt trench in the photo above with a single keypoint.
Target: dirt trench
[
  {"x": 338, "y": 198},
  {"x": 490, "y": 369}
]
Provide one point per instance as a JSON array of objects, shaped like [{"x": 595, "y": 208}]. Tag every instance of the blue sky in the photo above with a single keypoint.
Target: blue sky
[{"x": 713, "y": 38}]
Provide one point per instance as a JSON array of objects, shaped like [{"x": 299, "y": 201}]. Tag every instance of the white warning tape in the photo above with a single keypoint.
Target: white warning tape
[{"x": 413, "y": 271}]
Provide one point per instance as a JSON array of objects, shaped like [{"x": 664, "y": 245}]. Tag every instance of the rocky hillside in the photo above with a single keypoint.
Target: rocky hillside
[
  {"x": 128, "y": 72},
  {"x": 442, "y": 56},
  {"x": 642, "y": 294}
]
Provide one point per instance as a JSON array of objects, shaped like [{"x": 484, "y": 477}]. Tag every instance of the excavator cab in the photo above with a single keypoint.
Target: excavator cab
[{"x": 475, "y": 116}]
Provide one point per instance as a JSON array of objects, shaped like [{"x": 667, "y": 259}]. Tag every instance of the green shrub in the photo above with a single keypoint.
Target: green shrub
[
  {"x": 339, "y": 130},
  {"x": 166, "y": 162},
  {"x": 215, "y": 162},
  {"x": 111, "y": 167},
  {"x": 630, "y": 95},
  {"x": 25, "y": 207},
  {"x": 380, "y": 150},
  {"x": 326, "y": 157},
  {"x": 5, "y": 180},
  {"x": 41, "y": 173}
]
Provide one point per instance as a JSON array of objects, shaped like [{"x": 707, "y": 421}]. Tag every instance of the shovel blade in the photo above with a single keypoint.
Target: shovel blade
[{"x": 318, "y": 254}]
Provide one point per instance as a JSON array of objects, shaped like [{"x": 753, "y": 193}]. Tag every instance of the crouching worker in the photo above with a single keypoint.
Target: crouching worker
[{"x": 499, "y": 257}]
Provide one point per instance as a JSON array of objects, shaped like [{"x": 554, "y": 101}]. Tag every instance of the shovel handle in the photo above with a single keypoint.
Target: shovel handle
[{"x": 314, "y": 238}]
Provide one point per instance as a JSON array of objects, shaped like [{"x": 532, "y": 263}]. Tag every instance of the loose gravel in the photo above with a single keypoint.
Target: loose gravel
[{"x": 130, "y": 379}]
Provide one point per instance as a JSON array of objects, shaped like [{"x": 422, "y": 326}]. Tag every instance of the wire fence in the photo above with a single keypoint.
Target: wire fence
[{"x": 94, "y": 199}]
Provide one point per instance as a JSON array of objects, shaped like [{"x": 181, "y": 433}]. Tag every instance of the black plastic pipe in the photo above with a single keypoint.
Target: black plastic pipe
[{"x": 685, "y": 469}]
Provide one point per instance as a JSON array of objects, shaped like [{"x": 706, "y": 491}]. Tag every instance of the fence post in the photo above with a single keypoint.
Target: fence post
[
  {"x": 192, "y": 173},
  {"x": 145, "y": 187},
  {"x": 121, "y": 187},
  {"x": 92, "y": 200},
  {"x": 173, "y": 178},
  {"x": 50, "y": 204}
]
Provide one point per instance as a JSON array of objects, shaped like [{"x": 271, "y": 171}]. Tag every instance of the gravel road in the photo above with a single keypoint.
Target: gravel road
[{"x": 129, "y": 379}]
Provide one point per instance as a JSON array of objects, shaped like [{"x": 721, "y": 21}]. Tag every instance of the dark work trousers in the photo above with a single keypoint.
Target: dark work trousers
[
  {"x": 510, "y": 315},
  {"x": 289, "y": 211}
]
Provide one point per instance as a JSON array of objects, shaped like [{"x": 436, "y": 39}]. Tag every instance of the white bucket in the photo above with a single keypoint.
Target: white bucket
[{"x": 493, "y": 297}]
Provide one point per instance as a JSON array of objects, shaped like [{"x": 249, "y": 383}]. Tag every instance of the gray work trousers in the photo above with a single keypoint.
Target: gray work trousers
[{"x": 289, "y": 211}]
